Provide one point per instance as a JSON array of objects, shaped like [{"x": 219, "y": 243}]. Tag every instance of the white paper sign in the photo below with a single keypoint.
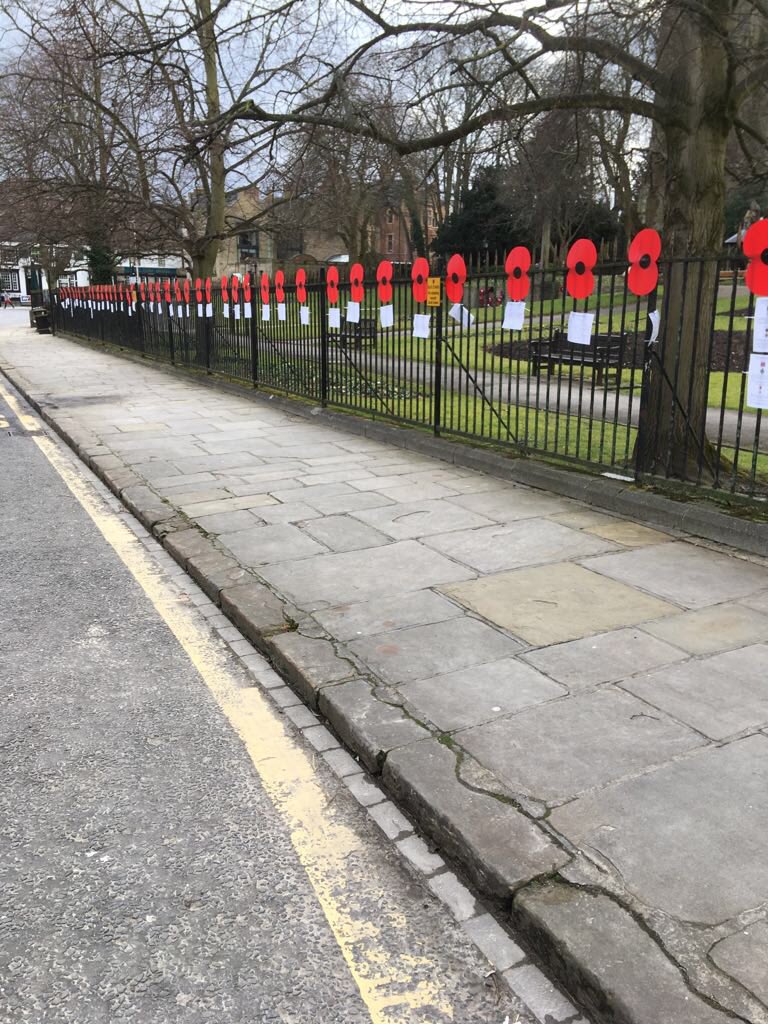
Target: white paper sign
[
  {"x": 514, "y": 316},
  {"x": 236, "y": 311},
  {"x": 334, "y": 317},
  {"x": 760, "y": 325},
  {"x": 130, "y": 309},
  {"x": 757, "y": 382},
  {"x": 199, "y": 309},
  {"x": 580, "y": 328},
  {"x": 353, "y": 312},
  {"x": 304, "y": 315},
  {"x": 461, "y": 315},
  {"x": 281, "y": 311},
  {"x": 265, "y": 311},
  {"x": 655, "y": 318},
  {"x": 386, "y": 316},
  {"x": 248, "y": 311},
  {"x": 209, "y": 309},
  {"x": 421, "y": 325}
]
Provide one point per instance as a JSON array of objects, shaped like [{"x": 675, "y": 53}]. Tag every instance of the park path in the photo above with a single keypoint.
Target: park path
[{"x": 572, "y": 704}]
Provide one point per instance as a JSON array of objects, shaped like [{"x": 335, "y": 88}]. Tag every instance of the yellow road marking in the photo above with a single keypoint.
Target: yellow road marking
[{"x": 323, "y": 844}]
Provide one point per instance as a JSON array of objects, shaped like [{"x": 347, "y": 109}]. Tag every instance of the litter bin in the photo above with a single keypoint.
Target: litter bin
[{"x": 39, "y": 318}]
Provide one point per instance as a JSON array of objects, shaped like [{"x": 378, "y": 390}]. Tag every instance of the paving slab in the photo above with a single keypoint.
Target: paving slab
[
  {"x": 500, "y": 846},
  {"x": 229, "y": 522},
  {"x": 418, "y": 652},
  {"x": 349, "y": 621},
  {"x": 630, "y": 535},
  {"x": 347, "y": 577},
  {"x": 604, "y": 658},
  {"x": 554, "y": 603},
  {"x": 528, "y": 542},
  {"x": 720, "y": 695},
  {"x": 479, "y": 694},
  {"x": 689, "y": 837},
  {"x": 265, "y": 545},
  {"x": 370, "y": 726},
  {"x": 757, "y": 601},
  {"x": 420, "y": 519},
  {"x": 343, "y": 533},
  {"x": 744, "y": 956},
  {"x": 691, "y": 576},
  {"x": 609, "y": 960},
  {"x": 708, "y": 630},
  {"x": 508, "y": 504},
  {"x": 554, "y": 751}
]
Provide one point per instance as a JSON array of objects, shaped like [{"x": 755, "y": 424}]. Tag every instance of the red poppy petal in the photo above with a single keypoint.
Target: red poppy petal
[
  {"x": 455, "y": 276},
  {"x": 645, "y": 243},
  {"x": 356, "y": 288},
  {"x": 419, "y": 275},
  {"x": 264, "y": 288},
  {"x": 384, "y": 280},
  {"x": 642, "y": 280},
  {"x": 756, "y": 239},
  {"x": 582, "y": 251},
  {"x": 517, "y": 265}
]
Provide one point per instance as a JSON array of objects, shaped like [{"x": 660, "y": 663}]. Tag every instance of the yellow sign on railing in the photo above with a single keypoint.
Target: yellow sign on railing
[{"x": 433, "y": 291}]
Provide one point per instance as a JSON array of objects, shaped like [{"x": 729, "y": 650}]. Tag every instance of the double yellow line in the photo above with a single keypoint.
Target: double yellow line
[{"x": 324, "y": 845}]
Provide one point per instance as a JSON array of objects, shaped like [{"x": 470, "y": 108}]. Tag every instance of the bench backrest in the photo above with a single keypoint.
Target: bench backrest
[{"x": 608, "y": 344}]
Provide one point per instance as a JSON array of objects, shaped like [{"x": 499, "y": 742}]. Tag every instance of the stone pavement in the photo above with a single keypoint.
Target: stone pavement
[{"x": 574, "y": 706}]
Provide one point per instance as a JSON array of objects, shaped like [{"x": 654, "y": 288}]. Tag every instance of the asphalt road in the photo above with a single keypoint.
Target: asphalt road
[{"x": 147, "y": 872}]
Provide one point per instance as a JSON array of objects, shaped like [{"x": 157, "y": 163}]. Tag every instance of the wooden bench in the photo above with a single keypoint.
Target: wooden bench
[
  {"x": 604, "y": 352},
  {"x": 358, "y": 335}
]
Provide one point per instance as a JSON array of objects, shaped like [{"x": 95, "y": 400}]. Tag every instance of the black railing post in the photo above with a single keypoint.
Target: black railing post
[
  {"x": 323, "y": 341},
  {"x": 254, "y": 328},
  {"x": 170, "y": 333},
  {"x": 437, "y": 386},
  {"x": 645, "y": 390}
]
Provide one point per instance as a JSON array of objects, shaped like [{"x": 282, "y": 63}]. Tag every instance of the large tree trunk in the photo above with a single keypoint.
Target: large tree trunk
[
  {"x": 214, "y": 226},
  {"x": 672, "y": 437}
]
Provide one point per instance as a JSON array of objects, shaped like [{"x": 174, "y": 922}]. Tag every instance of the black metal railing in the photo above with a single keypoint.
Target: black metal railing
[{"x": 675, "y": 407}]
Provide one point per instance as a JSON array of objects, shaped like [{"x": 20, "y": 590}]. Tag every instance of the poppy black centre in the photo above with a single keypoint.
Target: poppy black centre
[
  {"x": 419, "y": 279},
  {"x": 764, "y": 256},
  {"x": 517, "y": 272},
  {"x": 455, "y": 278},
  {"x": 645, "y": 261},
  {"x": 580, "y": 267}
]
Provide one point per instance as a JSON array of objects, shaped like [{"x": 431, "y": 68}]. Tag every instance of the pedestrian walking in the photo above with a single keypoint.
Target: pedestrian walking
[{"x": 5, "y": 300}]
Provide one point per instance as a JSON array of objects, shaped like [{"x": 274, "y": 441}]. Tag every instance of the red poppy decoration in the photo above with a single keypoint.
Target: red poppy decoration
[
  {"x": 356, "y": 289},
  {"x": 419, "y": 275},
  {"x": 581, "y": 260},
  {"x": 384, "y": 281},
  {"x": 225, "y": 290},
  {"x": 168, "y": 290},
  {"x": 756, "y": 249},
  {"x": 265, "y": 288},
  {"x": 208, "y": 289},
  {"x": 280, "y": 286},
  {"x": 643, "y": 255},
  {"x": 187, "y": 289},
  {"x": 517, "y": 264},
  {"x": 235, "y": 289},
  {"x": 177, "y": 291},
  {"x": 150, "y": 290},
  {"x": 332, "y": 284},
  {"x": 301, "y": 286},
  {"x": 119, "y": 291},
  {"x": 247, "y": 287},
  {"x": 199, "y": 290},
  {"x": 455, "y": 276}
]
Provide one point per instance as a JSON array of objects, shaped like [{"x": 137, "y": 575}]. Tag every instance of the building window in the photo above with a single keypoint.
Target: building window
[
  {"x": 390, "y": 216},
  {"x": 390, "y": 243},
  {"x": 9, "y": 280},
  {"x": 161, "y": 261}
]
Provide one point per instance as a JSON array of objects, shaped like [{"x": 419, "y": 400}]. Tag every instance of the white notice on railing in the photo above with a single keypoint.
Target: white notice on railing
[
  {"x": 304, "y": 316},
  {"x": 760, "y": 326},
  {"x": 421, "y": 325},
  {"x": 386, "y": 316},
  {"x": 281, "y": 311},
  {"x": 757, "y": 382},
  {"x": 655, "y": 317},
  {"x": 353, "y": 312},
  {"x": 514, "y": 316},
  {"x": 580, "y": 328},
  {"x": 265, "y": 311},
  {"x": 248, "y": 311},
  {"x": 334, "y": 317},
  {"x": 461, "y": 315}
]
